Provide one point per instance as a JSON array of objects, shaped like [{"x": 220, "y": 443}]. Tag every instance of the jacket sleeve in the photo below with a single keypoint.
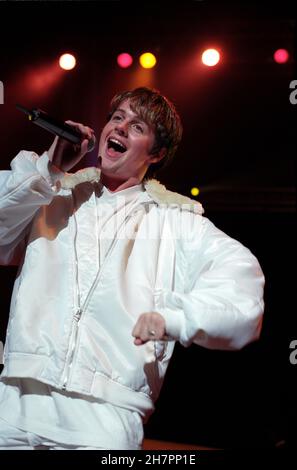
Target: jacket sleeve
[
  {"x": 31, "y": 183},
  {"x": 222, "y": 305}
]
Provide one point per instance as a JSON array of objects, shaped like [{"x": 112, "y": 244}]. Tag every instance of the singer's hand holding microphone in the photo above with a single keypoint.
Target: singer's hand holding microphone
[
  {"x": 73, "y": 139},
  {"x": 66, "y": 155}
]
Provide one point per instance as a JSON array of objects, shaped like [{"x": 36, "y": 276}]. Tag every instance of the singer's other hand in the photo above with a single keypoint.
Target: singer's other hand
[
  {"x": 65, "y": 155},
  {"x": 149, "y": 326}
]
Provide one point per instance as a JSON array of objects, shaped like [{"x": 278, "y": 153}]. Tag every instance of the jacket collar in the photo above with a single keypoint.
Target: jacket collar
[
  {"x": 162, "y": 196},
  {"x": 155, "y": 190}
]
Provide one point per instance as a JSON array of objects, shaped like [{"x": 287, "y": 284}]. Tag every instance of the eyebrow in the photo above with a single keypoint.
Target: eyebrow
[
  {"x": 121, "y": 110},
  {"x": 135, "y": 118}
]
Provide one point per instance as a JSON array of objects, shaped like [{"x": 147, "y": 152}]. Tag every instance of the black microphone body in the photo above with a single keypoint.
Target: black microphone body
[{"x": 55, "y": 126}]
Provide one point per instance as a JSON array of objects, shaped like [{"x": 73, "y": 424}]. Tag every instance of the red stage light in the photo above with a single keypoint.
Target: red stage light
[
  {"x": 281, "y": 56},
  {"x": 124, "y": 60}
]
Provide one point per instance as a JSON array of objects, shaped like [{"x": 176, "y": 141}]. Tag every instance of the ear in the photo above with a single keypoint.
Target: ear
[{"x": 158, "y": 156}]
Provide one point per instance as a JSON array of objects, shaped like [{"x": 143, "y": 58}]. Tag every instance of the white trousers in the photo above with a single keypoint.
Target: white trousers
[{"x": 12, "y": 438}]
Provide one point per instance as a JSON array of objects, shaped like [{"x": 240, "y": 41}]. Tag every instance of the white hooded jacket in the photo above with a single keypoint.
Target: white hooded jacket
[{"x": 71, "y": 318}]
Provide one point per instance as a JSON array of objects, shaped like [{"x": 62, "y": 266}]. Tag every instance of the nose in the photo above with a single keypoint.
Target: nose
[{"x": 122, "y": 128}]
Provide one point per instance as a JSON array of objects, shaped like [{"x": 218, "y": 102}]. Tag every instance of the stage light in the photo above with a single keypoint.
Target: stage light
[
  {"x": 147, "y": 60},
  {"x": 124, "y": 60},
  {"x": 67, "y": 61},
  {"x": 195, "y": 191},
  {"x": 210, "y": 57},
  {"x": 281, "y": 56}
]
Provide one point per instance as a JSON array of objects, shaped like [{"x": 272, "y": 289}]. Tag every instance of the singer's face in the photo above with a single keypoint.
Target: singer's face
[{"x": 125, "y": 146}]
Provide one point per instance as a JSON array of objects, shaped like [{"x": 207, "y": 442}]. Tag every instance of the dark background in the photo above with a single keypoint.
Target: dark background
[{"x": 239, "y": 148}]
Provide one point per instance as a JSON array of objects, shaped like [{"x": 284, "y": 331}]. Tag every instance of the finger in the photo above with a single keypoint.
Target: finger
[
  {"x": 85, "y": 130},
  {"x": 137, "y": 328},
  {"x": 84, "y": 147},
  {"x": 73, "y": 123},
  {"x": 138, "y": 342}
]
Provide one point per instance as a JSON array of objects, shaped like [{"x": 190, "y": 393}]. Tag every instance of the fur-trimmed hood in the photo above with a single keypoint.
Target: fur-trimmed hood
[{"x": 153, "y": 188}]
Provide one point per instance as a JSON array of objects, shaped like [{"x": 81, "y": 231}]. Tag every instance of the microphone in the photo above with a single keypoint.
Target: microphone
[{"x": 55, "y": 126}]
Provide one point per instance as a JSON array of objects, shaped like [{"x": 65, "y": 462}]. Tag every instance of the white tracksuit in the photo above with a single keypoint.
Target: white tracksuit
[{"x": 72, "y": 314}]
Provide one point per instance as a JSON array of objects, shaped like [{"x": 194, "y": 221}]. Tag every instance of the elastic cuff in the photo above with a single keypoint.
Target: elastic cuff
[
  {"x": 49, "y": 172},
  {"x": 174, "y": 321}
]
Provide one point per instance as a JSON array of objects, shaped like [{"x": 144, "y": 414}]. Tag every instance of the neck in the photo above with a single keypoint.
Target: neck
[{"x": 118, "y": 185}]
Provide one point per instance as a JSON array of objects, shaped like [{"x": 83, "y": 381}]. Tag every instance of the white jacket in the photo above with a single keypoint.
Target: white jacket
[{"x": 70, "y": 323}]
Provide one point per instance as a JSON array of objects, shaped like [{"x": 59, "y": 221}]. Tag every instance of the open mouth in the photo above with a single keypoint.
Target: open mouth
[{"x": 115, "y": 147}]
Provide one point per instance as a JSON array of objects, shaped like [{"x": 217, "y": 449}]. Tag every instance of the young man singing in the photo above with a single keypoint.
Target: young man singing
[{"x": 113, "y": 269}]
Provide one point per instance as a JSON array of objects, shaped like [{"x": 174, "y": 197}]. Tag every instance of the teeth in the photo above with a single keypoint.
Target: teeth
[{"x": 116, "y": 141}]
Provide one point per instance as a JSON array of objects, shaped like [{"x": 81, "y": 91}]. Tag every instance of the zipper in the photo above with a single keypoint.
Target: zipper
[
  {"x": 97, "y": 278},
  {"x": 70, "y": 356},
  {"x": 76, "y": 316},
  {"x": 73, "y": 337}
]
